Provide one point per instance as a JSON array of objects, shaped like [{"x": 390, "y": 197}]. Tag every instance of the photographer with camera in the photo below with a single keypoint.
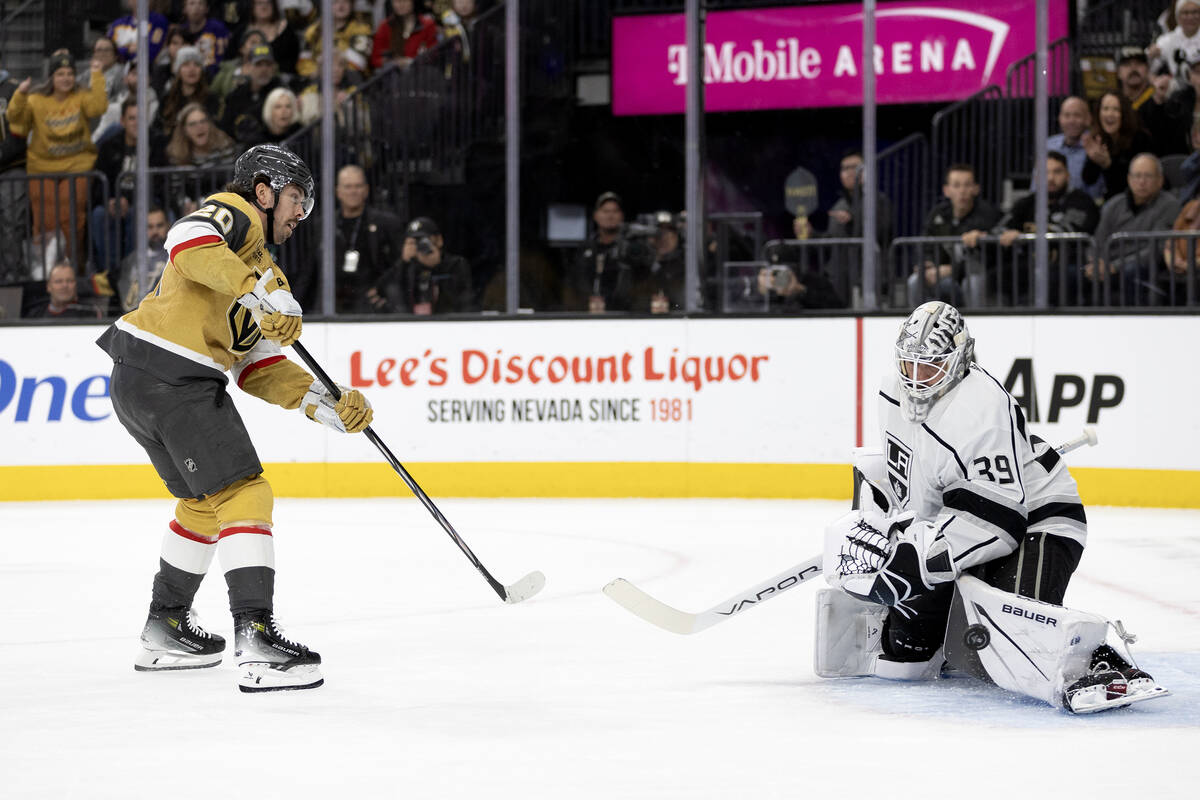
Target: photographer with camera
[
  {"x": 662, "y": 287},
  {"x": 428, "y": 280},
  {"x": 788, "y": 292},
  {"x": 612, "y": 262}
]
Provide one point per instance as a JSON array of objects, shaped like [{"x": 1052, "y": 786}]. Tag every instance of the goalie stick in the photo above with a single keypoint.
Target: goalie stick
[
  {"x": 523, "y": 589},
  {"x": 656, "y": 612}
]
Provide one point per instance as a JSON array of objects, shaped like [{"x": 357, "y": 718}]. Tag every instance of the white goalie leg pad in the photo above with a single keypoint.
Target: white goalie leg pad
[
  {"x": 846, "y": 644},
  {"x": 1023, "y": 645}
]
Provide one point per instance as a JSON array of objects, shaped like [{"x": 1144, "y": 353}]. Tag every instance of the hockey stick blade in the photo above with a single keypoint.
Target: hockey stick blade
[
  {"x": 525, "y": 588},
  {"x": 640, "y": 604}
]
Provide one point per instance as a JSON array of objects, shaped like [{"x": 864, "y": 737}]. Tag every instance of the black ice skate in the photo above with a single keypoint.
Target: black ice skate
[
  {"x": 1112, "y": 682},
  {"x": 173, "y": 639},
  {"x": 269, "y": 661}
]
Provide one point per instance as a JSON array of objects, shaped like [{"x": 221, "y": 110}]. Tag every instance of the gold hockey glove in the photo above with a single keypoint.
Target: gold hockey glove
[{"x": 350, "y": 414}]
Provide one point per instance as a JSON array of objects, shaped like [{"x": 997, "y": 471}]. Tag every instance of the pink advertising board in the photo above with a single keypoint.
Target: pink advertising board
[{"x": 810, "y": 56}]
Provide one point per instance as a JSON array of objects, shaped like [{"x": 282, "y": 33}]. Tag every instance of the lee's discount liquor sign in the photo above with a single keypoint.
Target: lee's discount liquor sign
[{"x": 808, "y": 56}]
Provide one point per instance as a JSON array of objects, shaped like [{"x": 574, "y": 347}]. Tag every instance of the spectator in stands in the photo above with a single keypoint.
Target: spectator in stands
[
  {"x": 235, "y": 14},
  {"x": 846, "y": 218},
  {"x": 209, "y": 36},
  {"x": 459, "y": 18},
  {"x": 243, "y": 108},
  {"x": 1133, "y": 76},
  {"x": 110, "y": 122},
  {"x": 346, "y": 82},
  {"x": 1113, "y": 142},
  {"x": 111, "y": 220},
  {"x": 280, "y": 116},
  {"x": 368, "y": 241},
  {"x": 1074, "y": 119},
  {"x": 1180, "y": 47},
  {"x": 1181, "y": 111},
  {"x": 661, "y": 289},
  {"x": 610, "y": 264},
  {"x": 190, "y": 85},
  {"x": 62, "y": 297},
  {"x": 403, "y": 35},
  {"x": 162, "y": 72},
  {"x": 428, "y": 280},
  {"x": 1190, "y": 169},
  {"x": 350, "y": 35},
  {"x": 1144, "y": 206},
  {"x": 57, "y": 116},
  {"x": 950, "y": 271},
  {"x": 197, "y": 142},
  {"x": 129, "y": 287},
  {"x": 123, "y": 31},
  {"x": 234, "y": 72},
  {"x": 285, "y": 44},
  {"x": 104, "y": 54},
  {"x": 1070, "y": 211}
]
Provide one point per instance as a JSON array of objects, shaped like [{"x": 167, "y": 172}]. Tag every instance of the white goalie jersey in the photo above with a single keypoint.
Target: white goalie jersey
[{"x": 974, "y": 473}]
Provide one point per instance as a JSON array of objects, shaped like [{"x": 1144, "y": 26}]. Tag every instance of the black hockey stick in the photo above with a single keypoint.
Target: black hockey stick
[
  {"x": 656, "y": 612},
  {"x": 523, "y": 589}
]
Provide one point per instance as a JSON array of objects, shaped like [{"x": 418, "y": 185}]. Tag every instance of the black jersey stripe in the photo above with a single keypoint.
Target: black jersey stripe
[
  {"x": 1009, "y": 520},
  {"x": 1049, "y": 459},
  {"x": 1065, "y": 510},
  {"x": 946, "y": 445},
  {"x": 891, "y": 400},
  {"x": 970, "y": 550}
]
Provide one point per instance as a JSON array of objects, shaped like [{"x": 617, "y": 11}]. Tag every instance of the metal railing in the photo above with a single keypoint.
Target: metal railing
[
  {"x": 905, "y": 176},
  {"x": 1105, "y": 26},
  {"x": 990, "y": 274},
  {"x": 1155, "y": 268},
  {"x": 838, "y": 259},
  {"x": 1021, "y": 78},
  {"x": 59, "y": 203}
]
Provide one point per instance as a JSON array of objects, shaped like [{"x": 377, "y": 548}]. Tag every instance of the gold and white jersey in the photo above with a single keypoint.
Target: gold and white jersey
[{"x": 190, "y": 325}]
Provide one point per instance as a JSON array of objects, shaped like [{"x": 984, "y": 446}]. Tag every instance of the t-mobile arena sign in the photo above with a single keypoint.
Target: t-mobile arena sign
[{"x": 809, "y": 56}]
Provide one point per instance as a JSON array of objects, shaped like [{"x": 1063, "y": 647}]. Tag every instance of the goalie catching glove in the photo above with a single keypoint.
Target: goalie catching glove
[
  {"x": 275, "y": 310},
  {"x": 349, "y": 414},
  {"x": 885, "y": 560}
]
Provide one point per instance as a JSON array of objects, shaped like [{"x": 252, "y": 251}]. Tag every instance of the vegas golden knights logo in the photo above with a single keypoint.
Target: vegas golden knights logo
[{"x": 243, "y": 330}]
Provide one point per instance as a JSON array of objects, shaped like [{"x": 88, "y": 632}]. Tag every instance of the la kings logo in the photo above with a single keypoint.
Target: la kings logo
[{"x": 899, "y": 462}]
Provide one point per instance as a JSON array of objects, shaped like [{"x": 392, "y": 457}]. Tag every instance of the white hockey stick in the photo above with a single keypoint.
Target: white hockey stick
[{"x": 656, "y": 612}]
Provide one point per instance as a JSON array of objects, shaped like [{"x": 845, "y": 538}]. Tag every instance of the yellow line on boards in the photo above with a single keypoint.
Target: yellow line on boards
[{"x": 1128, "y": 487}]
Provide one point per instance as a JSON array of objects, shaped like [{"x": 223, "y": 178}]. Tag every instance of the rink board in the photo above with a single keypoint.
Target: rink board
[{"x": 620, "y": 408}]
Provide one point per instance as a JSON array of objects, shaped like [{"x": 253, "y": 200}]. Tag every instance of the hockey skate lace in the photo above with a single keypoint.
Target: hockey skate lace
[
  {"x": 278, "y": 630},
  {"x": 193, "y": 623}
]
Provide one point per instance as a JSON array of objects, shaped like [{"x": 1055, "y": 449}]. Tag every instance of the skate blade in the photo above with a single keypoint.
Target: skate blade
[
  {"x": 259, "y": 677},
  {"x": 165, "y": 660},
  {"x": 1128, "y": 700}
]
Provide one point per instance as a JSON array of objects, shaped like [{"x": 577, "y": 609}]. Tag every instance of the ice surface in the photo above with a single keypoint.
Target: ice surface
[{"x": 436, "y": 689}]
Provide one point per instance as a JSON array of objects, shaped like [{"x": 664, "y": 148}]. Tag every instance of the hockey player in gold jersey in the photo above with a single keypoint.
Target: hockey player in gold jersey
[{"x": 222, "y": 305}]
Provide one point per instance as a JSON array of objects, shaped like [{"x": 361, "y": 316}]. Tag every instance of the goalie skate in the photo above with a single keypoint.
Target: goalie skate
[
  {"x": 174, "y": 639},
  {"x": 270, "y": 662},
  {"x": 1111, "y": 683}
]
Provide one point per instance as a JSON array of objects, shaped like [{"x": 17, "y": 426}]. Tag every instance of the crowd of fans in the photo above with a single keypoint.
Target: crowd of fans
[{"x": 226, "y": 75}]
